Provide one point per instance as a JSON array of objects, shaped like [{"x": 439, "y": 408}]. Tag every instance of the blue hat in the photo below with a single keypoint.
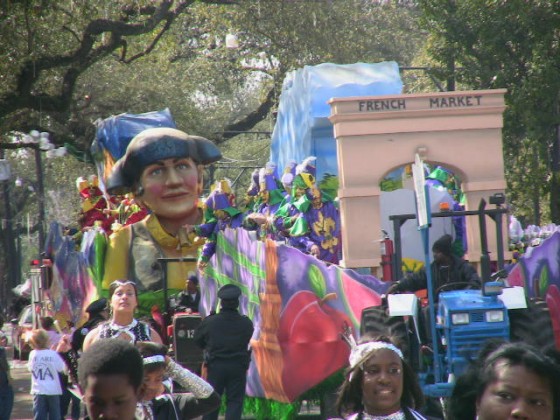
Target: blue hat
[{"x": 229, "y": 292}]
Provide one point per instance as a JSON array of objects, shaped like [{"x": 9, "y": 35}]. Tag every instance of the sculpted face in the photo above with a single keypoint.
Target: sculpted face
[
  {"x": 382, "y": 383},
  {"x": 316, "y": 201},
  {"x": 517, "y": 393},
  {"x": 221, "y": 214},
  {"x": 171, "y": 189}
]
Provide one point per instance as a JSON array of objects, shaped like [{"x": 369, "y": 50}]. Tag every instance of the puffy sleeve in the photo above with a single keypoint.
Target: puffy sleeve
[{"x": 116, "y": 257}]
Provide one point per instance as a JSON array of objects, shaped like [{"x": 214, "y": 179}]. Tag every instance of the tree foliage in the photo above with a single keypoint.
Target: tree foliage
[
  {"x": 47, "y": 45},
  {"x": 515, "y": 45}
]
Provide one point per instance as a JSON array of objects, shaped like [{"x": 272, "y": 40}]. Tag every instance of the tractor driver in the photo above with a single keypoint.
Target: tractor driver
[{"x": 448, "y": 272}]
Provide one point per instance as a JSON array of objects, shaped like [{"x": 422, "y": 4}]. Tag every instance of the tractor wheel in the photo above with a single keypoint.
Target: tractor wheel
[
  {"x": 532, "y": 325},
  {"x": 376, "y": 321}
]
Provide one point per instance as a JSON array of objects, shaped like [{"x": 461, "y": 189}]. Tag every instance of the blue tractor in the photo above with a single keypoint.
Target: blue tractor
[
  {"x": 440, "y": 340},
  {"x": 465, "y": 320}
]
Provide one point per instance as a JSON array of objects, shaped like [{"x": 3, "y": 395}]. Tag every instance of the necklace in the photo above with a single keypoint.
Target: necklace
[
  {"x": 399, "y": 415},
  {"x": 117, "y": 329}
]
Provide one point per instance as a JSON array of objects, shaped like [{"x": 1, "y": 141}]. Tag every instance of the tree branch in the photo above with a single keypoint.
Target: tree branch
[
  {"x": 251, "y": 119},
  {"x": 85, "y": 55}
]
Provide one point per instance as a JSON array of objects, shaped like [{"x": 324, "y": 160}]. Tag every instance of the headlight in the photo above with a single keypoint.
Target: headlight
[
  {"x": 494, "y": 316},
  {"x": 460, "y": 318}
]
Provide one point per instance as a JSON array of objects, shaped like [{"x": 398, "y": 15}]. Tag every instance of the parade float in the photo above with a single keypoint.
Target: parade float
[{"x": 298, "y": 303}]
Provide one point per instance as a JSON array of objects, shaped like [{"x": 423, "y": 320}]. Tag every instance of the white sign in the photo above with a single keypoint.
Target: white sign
[
  {"x": 420, "y": 190},
  {"x": 402, "y": 304}
]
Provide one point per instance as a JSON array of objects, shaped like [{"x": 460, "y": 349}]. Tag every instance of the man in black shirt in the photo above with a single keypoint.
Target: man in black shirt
[
  {"x": 188, "y": 299},
  {"x": 447, "y": 269},
  {"x": 225, "y": 337}
]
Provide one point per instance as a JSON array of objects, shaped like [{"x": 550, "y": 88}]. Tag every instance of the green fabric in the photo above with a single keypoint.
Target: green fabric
[
  {"x": 275, "y": 197},
  {"x": 300, "y": 227},
  {"x": 303, "y": 204},
  {"x": 98, "y": 268},
  {"x": 439, "y": 174},
  {"x": 232, "y": 211},
  {"x": 283, "y": 210}
]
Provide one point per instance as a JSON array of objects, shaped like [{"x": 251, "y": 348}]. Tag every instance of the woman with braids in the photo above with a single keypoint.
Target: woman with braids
[
  {"x": 158, "y": 402},
  {"x": 123, "y": 301},
  {"x": 379, "y": 384}
]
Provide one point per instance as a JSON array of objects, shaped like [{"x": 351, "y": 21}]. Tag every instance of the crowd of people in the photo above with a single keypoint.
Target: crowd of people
[
  {"x": 124, "y": 371},
  {"x": 120, "y": 367},
  {"x": 292, "y": 209},
  {"x": 506, "y": 381}
]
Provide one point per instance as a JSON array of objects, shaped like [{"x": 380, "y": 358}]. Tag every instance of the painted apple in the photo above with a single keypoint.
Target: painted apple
[{"x": 310, "y": 337}]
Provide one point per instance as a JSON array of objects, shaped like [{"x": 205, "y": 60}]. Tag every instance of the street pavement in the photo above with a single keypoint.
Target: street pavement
[{"x": 23, "y": 402}]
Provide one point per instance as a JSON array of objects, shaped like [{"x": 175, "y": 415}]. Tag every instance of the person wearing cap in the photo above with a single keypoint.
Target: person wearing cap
[
  {"x": 188, "y": 299},
  {"x": 251, "y": 199},
  {"x": 271, "y": 198},
  {"x": 311, "y": 221},
  {"x": 449, "y": 272},
  {"x": 163, "y": 169},
  {"x": 97, "y": 312},
  {"x": 225, "y": 338}
]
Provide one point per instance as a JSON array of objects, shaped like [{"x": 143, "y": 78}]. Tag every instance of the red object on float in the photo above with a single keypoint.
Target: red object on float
[{"x": 387, "y": 252}]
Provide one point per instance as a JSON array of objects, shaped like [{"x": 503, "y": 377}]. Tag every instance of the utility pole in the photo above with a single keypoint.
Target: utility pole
[{"x": 9, "y": 243}]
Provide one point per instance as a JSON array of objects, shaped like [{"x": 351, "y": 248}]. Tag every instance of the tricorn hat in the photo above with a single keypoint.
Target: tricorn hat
[{"x": 155, "y": 144}]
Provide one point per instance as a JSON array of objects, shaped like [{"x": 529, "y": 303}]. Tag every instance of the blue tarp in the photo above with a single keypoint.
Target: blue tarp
[
  {"x": 114, "y": 133},
  {"x": 303, "y": 129}
]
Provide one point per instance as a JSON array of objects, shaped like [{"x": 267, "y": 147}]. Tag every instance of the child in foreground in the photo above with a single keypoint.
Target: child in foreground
[
  {"x": 110, "y": 373},
  {"x": 44, "y": 365}
]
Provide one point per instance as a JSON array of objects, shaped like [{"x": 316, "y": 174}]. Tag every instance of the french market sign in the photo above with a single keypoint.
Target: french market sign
[{"x": 434, "y": 102}]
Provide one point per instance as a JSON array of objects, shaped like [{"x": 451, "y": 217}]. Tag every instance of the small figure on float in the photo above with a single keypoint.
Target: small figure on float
[
  {"x": 444, "y": 180},
  {"x": 221, "y": 204},
  {"x": 288, "y": 176},
  {"x": 311, "y": 220},
  {"x": 287, "y": 214},
  {"x": 94, "y": 207},
  {"x": 128, "y": 211},
  {"x": 251, "y": 199},
  {"x": 271, "y": 197}
]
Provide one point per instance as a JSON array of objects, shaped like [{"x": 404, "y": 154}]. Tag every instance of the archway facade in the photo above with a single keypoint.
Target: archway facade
[{"x": 461, "y": 130}]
